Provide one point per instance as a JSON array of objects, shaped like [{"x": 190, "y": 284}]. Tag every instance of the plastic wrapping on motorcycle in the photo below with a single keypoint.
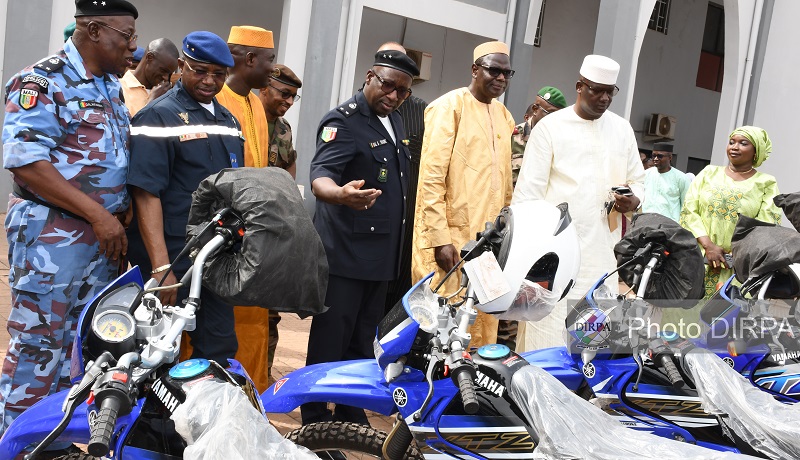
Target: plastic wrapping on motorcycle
[
  {"x": 766, "y": 424},
  {"x": 282, "y": 264},
  {"x": 218, "y": 421},
  {"x": 680, "y": 277},
  {"x": 571, "y": 427},
  {"x": 790, "y": 203},
  {"x": 759, "y": 248}
]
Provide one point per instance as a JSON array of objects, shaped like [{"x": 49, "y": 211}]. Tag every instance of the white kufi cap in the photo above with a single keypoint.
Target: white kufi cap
[{"x": 600, "y": 69}]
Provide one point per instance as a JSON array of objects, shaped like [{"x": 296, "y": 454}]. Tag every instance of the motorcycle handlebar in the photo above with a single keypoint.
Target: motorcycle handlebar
[
  {"x": 672, "y": 371},
  {"x": 103, "y": 428},
  {"x": 466, "y": 387}
]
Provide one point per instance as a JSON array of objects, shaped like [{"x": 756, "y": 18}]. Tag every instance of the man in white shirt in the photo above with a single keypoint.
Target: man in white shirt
[{"x": 575, "y": 156}]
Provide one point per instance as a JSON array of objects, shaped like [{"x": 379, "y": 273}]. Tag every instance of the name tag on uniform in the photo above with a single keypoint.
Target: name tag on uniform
[
  {"x": 372, "y": 145},
  {"x": 192, "y": 136}
]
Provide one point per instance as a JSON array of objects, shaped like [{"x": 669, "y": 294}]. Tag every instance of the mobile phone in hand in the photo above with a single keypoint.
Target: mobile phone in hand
[{"x": 622, "y": 190}]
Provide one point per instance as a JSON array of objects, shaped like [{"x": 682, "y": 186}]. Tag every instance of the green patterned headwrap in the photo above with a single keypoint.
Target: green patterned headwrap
[{"x": 760, "y": 140}]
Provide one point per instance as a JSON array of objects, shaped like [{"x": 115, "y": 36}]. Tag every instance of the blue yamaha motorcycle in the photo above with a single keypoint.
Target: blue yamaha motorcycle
[
  {"x": 451, "y": 402},
  {"x": 126, "y": 385},
  {"x": 642, "y": 379}
]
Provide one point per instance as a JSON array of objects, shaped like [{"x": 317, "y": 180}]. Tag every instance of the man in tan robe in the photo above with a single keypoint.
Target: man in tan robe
[{"x": 465, "y": 173}]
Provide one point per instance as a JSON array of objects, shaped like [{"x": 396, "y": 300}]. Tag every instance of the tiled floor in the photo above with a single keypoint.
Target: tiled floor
[{"x": 290, "y": 355}]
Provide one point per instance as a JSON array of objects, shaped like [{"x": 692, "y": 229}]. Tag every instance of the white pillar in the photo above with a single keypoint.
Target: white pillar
[
  {"x": 740, "y": 16},
  {"x": 621, "y": 25},
  {"x": 293, "y": 45},
  {"x": 63, "y": 13}
]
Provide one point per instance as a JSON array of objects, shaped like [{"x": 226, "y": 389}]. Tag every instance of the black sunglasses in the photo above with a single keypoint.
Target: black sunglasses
[
  {"x": 659, "y": 156},
  {"x": 285, "y": 94},
  {"x": 387, "y": 87},
  {"x": 596, "y": 90},
  {"x": 495, "y": 72}
]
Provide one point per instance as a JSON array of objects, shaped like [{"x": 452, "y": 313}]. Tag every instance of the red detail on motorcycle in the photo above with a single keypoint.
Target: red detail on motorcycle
[{"x": 278, "y": 385}]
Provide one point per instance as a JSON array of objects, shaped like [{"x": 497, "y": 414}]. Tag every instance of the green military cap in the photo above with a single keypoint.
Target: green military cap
[
  {"x": 553, "y": 95},
  {"x": 69, "y": 30}
]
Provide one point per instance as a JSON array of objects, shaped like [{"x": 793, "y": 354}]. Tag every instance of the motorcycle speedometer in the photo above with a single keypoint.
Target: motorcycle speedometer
[{"x": 114, "y": 330}]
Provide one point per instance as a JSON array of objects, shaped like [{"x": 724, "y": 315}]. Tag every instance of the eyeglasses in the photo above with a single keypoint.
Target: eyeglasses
[
  {"x": 543, "y": 109},
  {"x": 495, "y": 72},
  {"x": 285, "y": 94},
  {"x": 128, "y": 36},
  {"x": 596, "y": 90},
  {"x": 215, "y": 75},
  {"x": 388, "y": 87},
  {"x": 658, "y": 156}
]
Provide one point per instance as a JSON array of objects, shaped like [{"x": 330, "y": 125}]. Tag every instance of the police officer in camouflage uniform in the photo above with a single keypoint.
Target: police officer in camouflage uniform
[
  {"x": 278, "y": 97},
  {"x": 548, "y": 100},
  {"x": 65, "y": 139}
]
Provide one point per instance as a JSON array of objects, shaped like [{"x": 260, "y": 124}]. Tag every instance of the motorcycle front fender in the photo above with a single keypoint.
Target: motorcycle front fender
[
  {"x": 33, "y": 425},
  {"x": 356, "y": 383}
]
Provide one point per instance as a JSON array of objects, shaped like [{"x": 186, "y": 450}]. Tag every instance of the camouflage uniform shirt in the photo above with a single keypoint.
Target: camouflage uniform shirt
[
  {"x": 281, "y": 151},
  {"x": 518, "y": 141},
  {"x": 70, "y": 123}
]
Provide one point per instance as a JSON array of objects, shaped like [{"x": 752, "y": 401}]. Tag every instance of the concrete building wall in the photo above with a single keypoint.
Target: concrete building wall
[
  {"x": 568, "y": 34},
  {"x": 774, "y": 108},
  {"x": 666, "y": 83},
  {"x": 451, "y": 50}
]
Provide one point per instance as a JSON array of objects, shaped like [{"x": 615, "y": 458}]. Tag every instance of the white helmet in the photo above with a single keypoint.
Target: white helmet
[{"x": 540, "y": 258}]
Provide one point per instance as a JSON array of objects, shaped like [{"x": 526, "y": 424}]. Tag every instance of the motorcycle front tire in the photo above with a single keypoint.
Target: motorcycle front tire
[{"x": 345, "y": 437}]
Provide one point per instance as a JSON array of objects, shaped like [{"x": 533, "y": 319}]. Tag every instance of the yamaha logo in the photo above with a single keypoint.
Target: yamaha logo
[
  {"x": 589, "y": 370},
  {"x": 400, "y": 397},
  {"x": 729, "y": 361}
]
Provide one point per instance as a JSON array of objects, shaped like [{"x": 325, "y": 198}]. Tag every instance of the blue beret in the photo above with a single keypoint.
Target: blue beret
[
  {"x": 138, "y": 54},
  {"x": 208, "y": 48}
]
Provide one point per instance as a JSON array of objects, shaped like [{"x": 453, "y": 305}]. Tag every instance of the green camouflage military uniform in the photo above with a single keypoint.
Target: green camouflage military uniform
[
  {"x": 281, "y": 151},
  {"x": 518, "y": 141}
]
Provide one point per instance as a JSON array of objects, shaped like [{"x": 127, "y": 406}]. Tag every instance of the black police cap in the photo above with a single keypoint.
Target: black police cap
[
  {"x": 105, "y": 8},
  {"x": 396, "y": 60}
]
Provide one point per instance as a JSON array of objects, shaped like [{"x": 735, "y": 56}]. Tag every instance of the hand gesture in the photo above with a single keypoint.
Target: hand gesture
[{"x": 351, "y": 195}]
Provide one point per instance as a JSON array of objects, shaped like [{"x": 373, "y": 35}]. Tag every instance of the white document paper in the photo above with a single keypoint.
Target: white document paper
[{"x": 487, "y": 277}]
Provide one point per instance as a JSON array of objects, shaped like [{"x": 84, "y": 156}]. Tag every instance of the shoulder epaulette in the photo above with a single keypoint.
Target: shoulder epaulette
[
  {"x": 50, "y": 64},
  {"x": 348, "y": 109}
]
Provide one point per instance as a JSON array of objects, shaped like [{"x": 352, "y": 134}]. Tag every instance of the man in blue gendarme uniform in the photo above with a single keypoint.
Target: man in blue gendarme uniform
[
  {"x": 65, "y": 139},
  {"x": 178, "y": 140}
]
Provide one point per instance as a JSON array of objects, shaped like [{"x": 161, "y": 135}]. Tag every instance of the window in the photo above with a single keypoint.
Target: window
[
  {"x": 537, "y": 40},
  {"x": 695, "y": 165},
  {"x": 712, "y": 54},
  {"x": 659, "y": 20}
]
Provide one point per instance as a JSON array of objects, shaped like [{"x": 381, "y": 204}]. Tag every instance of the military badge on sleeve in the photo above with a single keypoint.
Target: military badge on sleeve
[
  {"x": 328, "y": 134},
  {"x": 28, "y": 98}
]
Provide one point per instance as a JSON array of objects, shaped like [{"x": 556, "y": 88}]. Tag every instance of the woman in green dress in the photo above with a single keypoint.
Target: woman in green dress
[{"x": 720, "y": 194}]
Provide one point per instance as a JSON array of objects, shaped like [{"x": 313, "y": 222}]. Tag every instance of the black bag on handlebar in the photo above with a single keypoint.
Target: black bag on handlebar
[
  {"x": 680, "y": 276},
  {"x": 281, "y": 264},
  {"x": 759, "y": 248},
  {"x": 790, "y": 203}
]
